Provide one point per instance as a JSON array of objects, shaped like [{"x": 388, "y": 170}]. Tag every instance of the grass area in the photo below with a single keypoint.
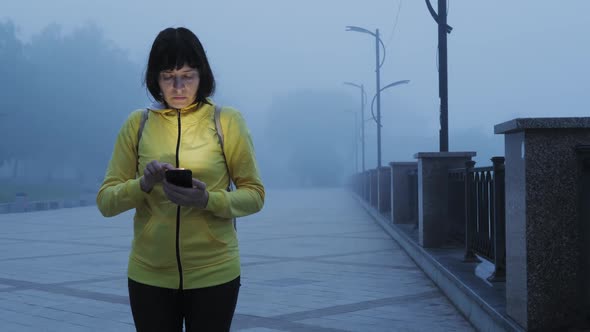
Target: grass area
[{"x": 39, "y": 191}]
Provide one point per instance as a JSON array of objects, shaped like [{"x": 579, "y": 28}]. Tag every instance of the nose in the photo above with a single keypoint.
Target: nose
[{"x": 178, "y": 82}]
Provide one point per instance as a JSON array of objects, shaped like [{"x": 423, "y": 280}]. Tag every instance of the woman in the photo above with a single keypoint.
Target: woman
[{"x": 184, "y": 264}]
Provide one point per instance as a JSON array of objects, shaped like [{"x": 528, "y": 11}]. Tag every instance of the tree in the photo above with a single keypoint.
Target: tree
[
  {"x": 308, "y": 139},
  {"x": 69, "y": 97},
  {"x": 15, "y": 75}
]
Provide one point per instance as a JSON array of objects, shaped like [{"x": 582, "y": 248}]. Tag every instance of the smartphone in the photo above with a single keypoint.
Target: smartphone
[{"x": 180, "y": 177}]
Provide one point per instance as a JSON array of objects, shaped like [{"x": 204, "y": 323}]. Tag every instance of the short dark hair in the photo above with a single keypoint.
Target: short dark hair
[{"x": 172, "y": 49}]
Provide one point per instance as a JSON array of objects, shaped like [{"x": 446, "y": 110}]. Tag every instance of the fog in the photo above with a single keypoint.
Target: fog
[{"x": 71, "y": 72}]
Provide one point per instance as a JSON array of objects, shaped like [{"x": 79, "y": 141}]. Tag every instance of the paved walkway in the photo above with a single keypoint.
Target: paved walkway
[{"x": 312, "y": 261}]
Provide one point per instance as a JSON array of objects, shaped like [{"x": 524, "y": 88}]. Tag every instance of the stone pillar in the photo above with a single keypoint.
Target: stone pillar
[
  {"x": 374, "y": 185},
  {"x": 542, "y": 220},
  {"x": 433, "y": 183},
  {"x": 402, "y": 193},
  {"x": 584, "y": 204},
  {"x": 21, "y": 203},
  {"x": 367, "y": 186},
  {"x": 384, "y": 200},
  {"x": 358, "y": 184}
]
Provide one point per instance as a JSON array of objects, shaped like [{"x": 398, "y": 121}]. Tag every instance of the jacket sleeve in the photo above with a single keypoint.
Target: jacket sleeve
[
  {"x": 248, "y": 198},
  {"x": 120, "y": 190}
]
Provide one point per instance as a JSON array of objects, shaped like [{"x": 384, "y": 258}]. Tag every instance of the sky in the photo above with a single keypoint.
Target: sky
[{"x": 506, "y": 59}]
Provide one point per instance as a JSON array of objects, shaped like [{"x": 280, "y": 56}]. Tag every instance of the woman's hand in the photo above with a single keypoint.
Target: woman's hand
[
  {"x": 197, "y": 196},
  {"x": 153, "y": 173}
]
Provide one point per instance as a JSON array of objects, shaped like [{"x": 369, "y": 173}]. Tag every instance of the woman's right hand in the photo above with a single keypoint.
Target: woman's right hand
[{"x": 153, "y": 173}]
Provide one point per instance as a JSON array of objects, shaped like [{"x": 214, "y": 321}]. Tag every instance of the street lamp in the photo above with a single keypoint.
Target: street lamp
[
  {"x": 378, "y": 65},
  {"x": 363, "y": 102},
  {"x": 391, "y": 85}
]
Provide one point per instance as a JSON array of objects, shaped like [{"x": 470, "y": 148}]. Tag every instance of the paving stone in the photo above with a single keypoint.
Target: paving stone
[{"x": 312, "y": 260}]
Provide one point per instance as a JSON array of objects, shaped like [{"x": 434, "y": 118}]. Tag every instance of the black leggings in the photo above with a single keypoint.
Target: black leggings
[{"x": 202, "y": 309}]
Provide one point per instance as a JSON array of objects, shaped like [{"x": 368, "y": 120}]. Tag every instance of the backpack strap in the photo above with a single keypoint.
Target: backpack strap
[
  {"x": 219, "y": 130},
  {"x": 144, "y": 117}
]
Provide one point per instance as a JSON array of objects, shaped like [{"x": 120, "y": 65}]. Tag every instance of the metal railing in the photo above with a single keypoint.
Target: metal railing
[
  {"x": 32, "y": 206},
  {"x": 375, "y": 187},
  {"x": 384, "y": 191},
  {"x": 484, "y": 212}
]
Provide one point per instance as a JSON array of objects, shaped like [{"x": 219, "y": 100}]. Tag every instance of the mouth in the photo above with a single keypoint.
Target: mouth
[{"x": 178, "y": 98}]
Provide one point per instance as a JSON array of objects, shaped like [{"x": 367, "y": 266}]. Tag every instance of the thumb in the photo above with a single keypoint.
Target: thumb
[
  {"x": 199, "y": 185},
  {"x": 166, "y": 166}
]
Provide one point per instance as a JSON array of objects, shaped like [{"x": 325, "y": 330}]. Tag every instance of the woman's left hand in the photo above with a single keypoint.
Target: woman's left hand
[{"x": 197, "y": 196}]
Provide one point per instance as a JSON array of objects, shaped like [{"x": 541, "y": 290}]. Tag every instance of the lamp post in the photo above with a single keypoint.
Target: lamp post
[
  {"x": 363, "y": 102},
  {"x": 378, "y": 65},
  {"x": 391, "y": 85},
  {"x": 354, "y": 140},
  {"x": 443, "y": 87}
]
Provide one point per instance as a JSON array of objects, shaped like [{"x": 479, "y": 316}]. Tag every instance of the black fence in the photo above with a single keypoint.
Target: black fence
[
  {"x": 476, "y": 206},
  {"x": 483, "y": 212},
  {"x": 31, "y": 206},
  {"x": 374, "y": 188},
  {"x": 384, "y": 191}
]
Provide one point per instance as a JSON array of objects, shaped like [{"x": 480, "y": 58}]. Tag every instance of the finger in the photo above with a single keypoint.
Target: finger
[
  {"x": 156, "y": 175},
  {"x": 166, "y": 166},
  {"x": 170, "y": 195},
  {"x": 169, "y": 187},
  {"x": 154, "y": 166},
  {"x": 188, "y": 196},
  {"x": 173, "y": 196},
  {"x": 178, "y": 189},
  {"x": 149, "y": 172},
  {"x": 160, "y": 172},
  {"x": 158, "y": 167},
  {"x": 199, "y": 185},
  {"x": 151, "y": 169}
]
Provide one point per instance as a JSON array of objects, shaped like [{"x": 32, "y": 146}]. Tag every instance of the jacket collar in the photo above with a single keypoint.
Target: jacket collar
[{"x": 163, "y": 109}]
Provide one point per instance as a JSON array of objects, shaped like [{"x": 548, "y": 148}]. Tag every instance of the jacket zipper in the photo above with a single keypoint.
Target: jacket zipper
[{"x": 178, "y": 209}]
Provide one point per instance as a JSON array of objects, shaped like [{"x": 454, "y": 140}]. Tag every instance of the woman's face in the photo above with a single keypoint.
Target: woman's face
[{"x": 179, "y": 86}]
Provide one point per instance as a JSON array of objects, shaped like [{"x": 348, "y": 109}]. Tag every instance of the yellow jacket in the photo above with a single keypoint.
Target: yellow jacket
[{"x": 196, "y": 247}]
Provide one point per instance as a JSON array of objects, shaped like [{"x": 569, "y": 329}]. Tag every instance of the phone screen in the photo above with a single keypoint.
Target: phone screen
[{"x": 180, "y": 177}]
